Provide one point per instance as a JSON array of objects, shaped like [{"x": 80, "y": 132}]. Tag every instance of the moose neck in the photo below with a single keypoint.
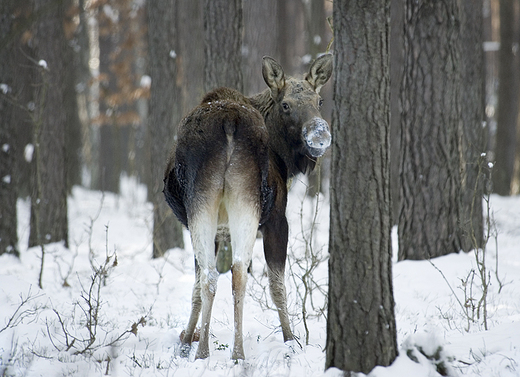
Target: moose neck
[
  {"x": 262, "y": 102},
  {"x": 294, "y": 161}
]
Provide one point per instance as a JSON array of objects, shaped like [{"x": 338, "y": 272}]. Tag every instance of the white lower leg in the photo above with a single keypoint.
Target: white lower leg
[
  {"x": 243, "y": 226},
  {"x": 196, "y": 305},
  {"x": 239, "y": 281},
  {"x": 208, "y": 289}
]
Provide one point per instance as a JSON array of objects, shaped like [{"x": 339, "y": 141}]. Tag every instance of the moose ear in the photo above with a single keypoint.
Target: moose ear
[
  {"x": 273, "y": 75},
  {"x": 320, "y": 72}
]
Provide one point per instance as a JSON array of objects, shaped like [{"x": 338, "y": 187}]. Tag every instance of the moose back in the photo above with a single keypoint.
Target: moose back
[{"x": 227, "y": 178}]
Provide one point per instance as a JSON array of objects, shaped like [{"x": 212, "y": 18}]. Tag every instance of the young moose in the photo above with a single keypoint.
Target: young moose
[{"x": 227, "y": 178}]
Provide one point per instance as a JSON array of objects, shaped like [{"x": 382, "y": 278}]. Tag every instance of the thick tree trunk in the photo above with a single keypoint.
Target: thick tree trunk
[
  {"x": 223, "y": 26},
  {"x": 8, "y": 194},
  {"x": 49, "y": 199},
  {"x": 361, "y": 330},
  {"x": 431, "y": 131},
  {"x": 508, "y": 97},
  {"x": 165, "y": 108}
]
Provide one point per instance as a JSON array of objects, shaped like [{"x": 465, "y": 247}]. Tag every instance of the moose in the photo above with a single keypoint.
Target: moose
[{"x": 227, "y": 178}]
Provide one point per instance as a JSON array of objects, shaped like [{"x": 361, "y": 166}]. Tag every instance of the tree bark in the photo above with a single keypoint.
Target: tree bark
[
  {"x": 474, "y": 169},
  {"x": 23, "y": 78},
  {"x": 8, "y": 195},
  {"x": 164, "y": 116},
  {"x": 111, "y": 147},
  {"x": 73, "y": 137},
  {"x": 396, "y": 79},
  {"x": 291, "y": 29},
  {"x": 260, "y": 39},
  {"x": 508, "y": 97},
  {"x": 361, "y": 330},
  {"x": 191, "y": 66},
  {"x": 223, "y": 26},
  {"x": 49, "y": 200},
  {"x": 431, "y": 131}
]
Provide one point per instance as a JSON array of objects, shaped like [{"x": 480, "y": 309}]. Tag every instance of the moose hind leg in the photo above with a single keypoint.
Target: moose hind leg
[
  {"x": 243, "y": 227},
  {"x": 208, "y": 289},
  {"x": 203, "y": 230},
  {"x": 196, "y": 304}
]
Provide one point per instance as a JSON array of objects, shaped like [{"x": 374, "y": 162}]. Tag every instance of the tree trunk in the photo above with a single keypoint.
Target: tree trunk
[
  {"x": 164, "y": 116},
  {"x": 361, "y": 330},
  {"x": 223, "y": 43},
  {"x": 474, "y": 169},
  {"x": 73, "y": 135},
  {"x": 191, "y": 66},
  {"x": 110, "y": 145},
  {"x": 260, "y": 39},
  {"x": 23, "y": 78},
  {"x": 315, "y": 27},
  {"x": 396, "y": 79},
  {"x": 431, "y": 131},
  {"x": 8, "y": 195},
  {"x": 83, "y": 78},
  {"x": 49, "y": 199},
  {"x": 291, "y": 29},
  {"x": 508, "y": 96}
]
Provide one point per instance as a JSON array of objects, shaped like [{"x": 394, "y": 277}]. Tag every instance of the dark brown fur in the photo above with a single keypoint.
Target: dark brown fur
[
  {"x": 230, "y": 167},
  {"x": 203, "y": 139}
]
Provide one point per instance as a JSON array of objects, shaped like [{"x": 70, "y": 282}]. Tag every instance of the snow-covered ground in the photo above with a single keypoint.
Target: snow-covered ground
[{"x": 146, "y": 303}]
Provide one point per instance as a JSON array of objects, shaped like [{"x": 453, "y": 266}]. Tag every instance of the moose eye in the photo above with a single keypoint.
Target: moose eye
[
  {"x": 320, "y": 103},
  {"x": 285, "y": 106}
]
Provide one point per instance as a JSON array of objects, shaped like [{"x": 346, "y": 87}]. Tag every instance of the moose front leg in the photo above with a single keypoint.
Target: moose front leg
[{"x": 275, "y": 234}]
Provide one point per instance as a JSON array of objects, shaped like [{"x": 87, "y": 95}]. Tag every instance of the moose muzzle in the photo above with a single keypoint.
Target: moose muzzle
[{"x": 316, "y": 135}]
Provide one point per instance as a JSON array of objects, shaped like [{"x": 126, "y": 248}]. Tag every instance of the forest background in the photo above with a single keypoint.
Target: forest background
[
  {"x": 99, "y": 102},
  {"x": 79, "y": 106}
]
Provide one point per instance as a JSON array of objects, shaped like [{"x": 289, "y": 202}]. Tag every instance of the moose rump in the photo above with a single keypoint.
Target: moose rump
[{"x": 216, "y": 183}]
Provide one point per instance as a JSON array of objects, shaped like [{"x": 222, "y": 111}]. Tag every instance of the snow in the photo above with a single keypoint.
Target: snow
[
  {"x": 145, "y": 82},
  {"x": 148, "y": 302},
  {"x": 42, "y": 63},
  {"x": 28, "y": 152}
]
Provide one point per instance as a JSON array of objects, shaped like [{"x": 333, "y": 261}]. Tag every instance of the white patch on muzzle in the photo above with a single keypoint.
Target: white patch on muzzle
[{"x": 317, "y": 136}]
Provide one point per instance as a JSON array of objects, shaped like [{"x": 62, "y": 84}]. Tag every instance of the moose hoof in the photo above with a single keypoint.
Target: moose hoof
[
  {"x": 184, "y": 350},
  {"x": 202, "y": 354}
]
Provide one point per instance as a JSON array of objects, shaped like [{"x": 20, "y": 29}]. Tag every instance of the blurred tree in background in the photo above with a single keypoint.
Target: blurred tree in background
[{"x": 165, "y": 114}]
